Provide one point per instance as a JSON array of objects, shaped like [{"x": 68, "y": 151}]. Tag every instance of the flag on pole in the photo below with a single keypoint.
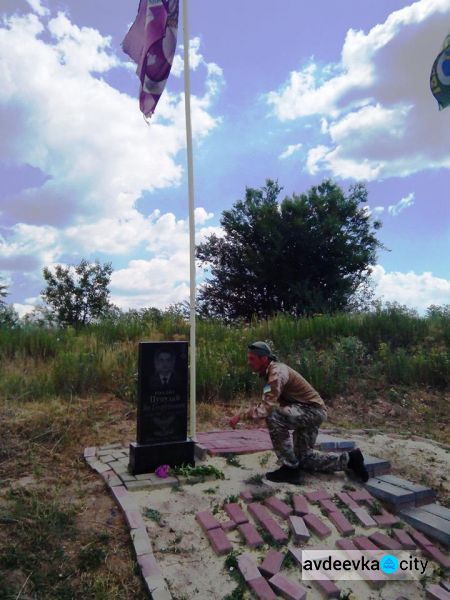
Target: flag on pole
[
  {"x": 440, "y": 76},
  {"x": 151, "y": 43}
]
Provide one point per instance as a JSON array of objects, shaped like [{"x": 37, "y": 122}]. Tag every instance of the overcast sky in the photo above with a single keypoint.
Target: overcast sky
[{"x": 314, "y": 90}]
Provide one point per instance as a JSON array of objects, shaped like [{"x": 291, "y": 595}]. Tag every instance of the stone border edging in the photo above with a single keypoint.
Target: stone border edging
[{"x": 151, "y": 573}]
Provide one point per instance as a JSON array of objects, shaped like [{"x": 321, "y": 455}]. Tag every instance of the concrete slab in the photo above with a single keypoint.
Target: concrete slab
[
  {"x": 432, "y": 525},
  {"x": 391, "y": 494}
]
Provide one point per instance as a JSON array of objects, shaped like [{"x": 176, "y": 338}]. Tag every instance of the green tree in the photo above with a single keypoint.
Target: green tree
[
  {"x": 310, "y": 253},
  {"x": 8, "y": 315},
  {"x": 78, "y": 294}
]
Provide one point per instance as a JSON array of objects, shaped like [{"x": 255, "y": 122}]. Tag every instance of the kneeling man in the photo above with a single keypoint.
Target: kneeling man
[{"x": 290, "y": 403}]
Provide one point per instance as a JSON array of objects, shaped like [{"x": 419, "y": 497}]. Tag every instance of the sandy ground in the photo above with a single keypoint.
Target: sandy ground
[{"x": 189, "y": 564}]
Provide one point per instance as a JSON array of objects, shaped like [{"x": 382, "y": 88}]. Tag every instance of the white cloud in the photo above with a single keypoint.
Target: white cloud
[
  {"x": 396, "y": 209},
  {"x": 414, "y": 290},
  {"x": 40, "y": 10},
  {"x": 382, "y": 120},
  {"x": 92, "y": 143},
  {"x": 23, "y": 309},
  {"x": 377, "y": 210},
  {"x": 290, "y": 150}
]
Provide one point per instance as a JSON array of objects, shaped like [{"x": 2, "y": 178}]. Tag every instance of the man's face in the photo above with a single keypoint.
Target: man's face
[
  {"x": 258, "y": 364},
  {"x": 164, "y": 363}
]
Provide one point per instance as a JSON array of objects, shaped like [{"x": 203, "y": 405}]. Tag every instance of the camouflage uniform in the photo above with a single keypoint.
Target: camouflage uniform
[
  {"x": 304, "y": 420},
  {"x": 289, "y": 402}
]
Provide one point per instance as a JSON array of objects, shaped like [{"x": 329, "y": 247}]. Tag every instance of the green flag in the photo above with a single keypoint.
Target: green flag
[{"x": 440, "y": 76}]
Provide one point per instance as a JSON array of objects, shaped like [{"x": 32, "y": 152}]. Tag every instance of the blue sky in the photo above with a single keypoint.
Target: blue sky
[{"x": 316, "y": 90}]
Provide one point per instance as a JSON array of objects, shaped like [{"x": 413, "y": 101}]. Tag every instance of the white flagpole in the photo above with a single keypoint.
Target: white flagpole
[{"x": 190, "y": 166}]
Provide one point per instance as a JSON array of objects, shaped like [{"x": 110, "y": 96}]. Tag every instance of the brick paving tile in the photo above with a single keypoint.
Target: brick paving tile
[
  {"x": 364, "y": 518},
  {"x": 328, "y": 506},
  {"x": 247, "y": 567},
  {"x": 250, "y": 534},
  {"x": 262, "y": 515},
  {"x": 228, "y": 525},
  {"x": 405, "y": 540},
  {"x": 386, "y": 519},
  {"x": 134, "y": 519},
  {"x": 317, "y": 495},
  {"x": 89, "y": 451},
  {"x": 246, "y": 496},
  {"x": 437, "y": 555},
  {"x": 342, "y": 524},
  {"x": 385, "y": 542},
  {"x": 271, "y": 563},
  {"x": 139, "y": 485},
  {"x": 235, "y": 512},
  {"x": 361, "y": 496},
  {"x": 419, "y": 538},
  {"x": 207, "y": 520},
  {"x": 363, "y": 543},
  {"x": 317, "y": 526},
  {"x": 261, "y": 589},
  {"x": 279, "y": 507},
  {"x": 445, "y": 585},
  {"x": 141, "y": 542},
  {"x": 328, "y": 588},
  {"x": 219, "y": 541},
  {"x": 286, "y": 588},
  {"x": 346, "y": 499},
  {"x": 148, "y": 565},
  {"x": 298, "y": 528},
  {"x": 436, "y": 592},
  {"x": 344, "y": 544},
  {"x": 300, "y": 505}
]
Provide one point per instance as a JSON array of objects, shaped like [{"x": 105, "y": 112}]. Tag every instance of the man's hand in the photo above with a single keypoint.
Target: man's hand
[{"x": 235, "y": 420}]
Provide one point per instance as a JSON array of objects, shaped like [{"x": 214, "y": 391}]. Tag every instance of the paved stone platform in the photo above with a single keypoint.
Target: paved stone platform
[{"x": 245, "y": 441}]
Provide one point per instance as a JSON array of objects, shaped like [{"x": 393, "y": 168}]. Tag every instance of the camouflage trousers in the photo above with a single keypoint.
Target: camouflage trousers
[{"x": 304, "y": 420}]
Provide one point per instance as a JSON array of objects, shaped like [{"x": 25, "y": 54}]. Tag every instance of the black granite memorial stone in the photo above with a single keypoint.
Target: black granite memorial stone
[{"x": 162, "y": 408}]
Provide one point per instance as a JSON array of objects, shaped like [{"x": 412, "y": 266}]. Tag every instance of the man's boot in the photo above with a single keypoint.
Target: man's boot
[
  {"x": 356, "y": 464},
  {"x": 285, "y": 474}
]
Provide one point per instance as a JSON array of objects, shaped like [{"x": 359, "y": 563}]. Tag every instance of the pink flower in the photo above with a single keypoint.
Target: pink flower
[{"x": 162, "y": 470}]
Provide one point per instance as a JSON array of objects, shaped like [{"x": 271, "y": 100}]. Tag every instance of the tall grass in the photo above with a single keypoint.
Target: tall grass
[{"x": 390, "y": 345}]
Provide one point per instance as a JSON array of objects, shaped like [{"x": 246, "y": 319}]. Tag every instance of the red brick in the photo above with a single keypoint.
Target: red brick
[
  {"x": 298, "y": 528},
  {"x": 346, "y": 499},
  {"x": 219, "y": 541},
  {"x": 405, "y": 540},
  {"x": 364, "y": 517},
  {"x": 344, "y": 526},
  {"x": 272, "y": 563},
  {"x": 262, "y": 515},
  {"x": 300, "y": 505},
  {"x": 246, "y": 496},
  {"x": 235, "y": 512},
  {"x": 317, "y": 526},
  {"x": 328, "y": 588},
  {"x": 361, "y": 496},
  {"x": 279, "y": 507},
  {"x": 207, "y": 520},
  {"x": 436, "y": 592},
  {"x": 419, "y": 538},
  {"x": 262, "y": 589},
  {"x": 134, "y": 519},
  {"x": 385, "y": 519},
  {"x": 328, "y": 506},
  {"x": 286, "y": 588},
  {"x": 363, "y": 543},
  {"x": 247, "y": 567},
  {"x": 228, "y": 525},
  {"x": 317, "y": 495},
  {"x": 384, "y": 541},
  {"x": 251, "y": 535},
  {"x": 149, "y": 566},
  {"x": 437, "y": 555},
  {"x": 344, "y": 544}
]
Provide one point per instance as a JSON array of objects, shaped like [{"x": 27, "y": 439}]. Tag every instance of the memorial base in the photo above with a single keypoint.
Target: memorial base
[{"x": 145, "y": 458}]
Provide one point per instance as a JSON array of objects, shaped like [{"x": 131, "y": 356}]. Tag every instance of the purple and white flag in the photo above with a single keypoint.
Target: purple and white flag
[{"x": 151, "y": 43}]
